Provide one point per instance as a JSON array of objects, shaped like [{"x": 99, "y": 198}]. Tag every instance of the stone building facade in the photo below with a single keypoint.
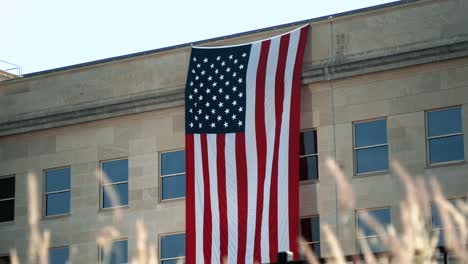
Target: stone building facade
[{"x": 391, "y": 66}]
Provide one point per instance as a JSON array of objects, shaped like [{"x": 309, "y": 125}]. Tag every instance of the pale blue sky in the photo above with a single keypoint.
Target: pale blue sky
[{"x": 45, "y": 34}]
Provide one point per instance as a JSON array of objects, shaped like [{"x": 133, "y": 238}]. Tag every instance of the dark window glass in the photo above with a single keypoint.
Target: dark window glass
[
  {"x": 444, "y": 122},
  {"x": 118, "y": 253},
  {"x": 308, "y": 142},
  {"x": 437, "y": 221},
  {"x": 5, "y": 260},
  {"x": 58, "y": 255},
  {"x": 371, "y": 149},
  {"x": 121, "y": 193},
  {"x": 58, "y": 203},
  {"x": 7, "y": 209},
  {"x": 370, "y": 133},
  {"x": 172, "y": 246},
  {"x": 310, "y": 232},
  {"x": 58, "y": 179},
  {"x": 7, "y": 188},
  {"x": 372, "y": 159},
  {"x": 57, "y": 193},
  {"x": 308, "y": 159},
  {"x": 7, "y": 199},
  {"x": 173, "y": 187},
  {"x": 173, "y": 162},
  {"x": 173, "y": 175},
  {"x": 308, "y": 168},
  {"x": 446, "y": 149},
  {"x": 444, "y": 131},
  {"x": 382, "y": 216},
  {"x": 116, "y": 170}
]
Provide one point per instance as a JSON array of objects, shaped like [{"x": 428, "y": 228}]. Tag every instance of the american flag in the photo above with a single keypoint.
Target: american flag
[{"x": 242, "y": 147}]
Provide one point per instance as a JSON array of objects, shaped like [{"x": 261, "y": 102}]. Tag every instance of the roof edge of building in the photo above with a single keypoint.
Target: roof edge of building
[{"x": 142, "y": 53}]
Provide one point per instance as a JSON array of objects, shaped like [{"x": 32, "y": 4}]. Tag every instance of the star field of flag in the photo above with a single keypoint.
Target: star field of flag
[{"x": 216, "y": 89}]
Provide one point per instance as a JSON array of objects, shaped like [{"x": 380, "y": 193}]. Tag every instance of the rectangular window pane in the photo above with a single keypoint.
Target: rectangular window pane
[
  {"x": 172, "y": 261},
  {"x": 372, "y": 159},
  {"x": 118, "y": 253},
  {"x": 7, "y": 210},
  {"x": 121, "y": 195},
  {"x": 7, "y": 187},
  {"x": 308, "y": 142},
  {"x": 173, "y": 162},
  {"x": 58, "y": 179},
  {"x": 374, "y": 243},
  {"x": 173, "y": 187},
  {"x": 444, "y": 122},
  {"x": 58, "y": 203},
  {"x": 116, "y": 170},
  {"x": 446, "y": 149},
  {"x": 308, "y": 168},
  {"x": 5, "y": 260},
  {"x": 370, "y": 133},
  {"x": 58, "y": 255},
  {"x": 381, "y": 216},
  {"x": 172, "y": 246},
  {"x": 310, "y": 229}
]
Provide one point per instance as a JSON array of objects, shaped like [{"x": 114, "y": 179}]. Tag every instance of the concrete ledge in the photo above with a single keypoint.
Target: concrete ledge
[{"x": 175, "y": 97}]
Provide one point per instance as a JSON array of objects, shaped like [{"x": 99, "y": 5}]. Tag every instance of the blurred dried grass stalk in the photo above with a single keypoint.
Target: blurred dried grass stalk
[{"x": 415, "y": 242}]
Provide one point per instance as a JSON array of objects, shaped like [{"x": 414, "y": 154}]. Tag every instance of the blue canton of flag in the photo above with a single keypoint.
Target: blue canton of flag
[{"x": 215, "y": 95}]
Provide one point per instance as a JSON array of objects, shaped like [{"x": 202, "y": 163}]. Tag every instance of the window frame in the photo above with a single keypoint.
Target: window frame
[
  {"x": 100, "y": 249},
  {"x": 355, "y": 149},
  {"x": 358, "y": 238},
  {"x": 160, "y": 180},
  {"x": 11, "y": 198},
  {"x": 310, "y": 155},
  {"x": 65, "y": 246},
  {"x": 311, "y": 242},
  {"x": 433, "y": 203},
  {"x": 45, "y": 193},
  {"x": 160, "y": 245},
  {"x": 101, "y": 185},
  {"x": 428, "y": 149}
]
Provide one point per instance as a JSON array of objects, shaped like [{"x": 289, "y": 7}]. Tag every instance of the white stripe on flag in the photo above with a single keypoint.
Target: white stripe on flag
[
  {"x": 251, "y": 149},
  {"x": 231, "y": 194},
  {"x": 283, "y": 155},
  {"x": 199, "y": 192},
  {"x": 270, "y": 122},
  {"x": 213, "y": 171}
]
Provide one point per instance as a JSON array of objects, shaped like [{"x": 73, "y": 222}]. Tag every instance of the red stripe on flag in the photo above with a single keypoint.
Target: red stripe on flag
[
  {"x": 294, "y": 147},
  {"x": 207, "y": 222},
  {"x": 279, "y": 98},
  {"x": 261, "y": 143},
  {"x": 242, "y": 196},
  {"x": 221, "y": 165},
  {"x": 190, "y": 202}
]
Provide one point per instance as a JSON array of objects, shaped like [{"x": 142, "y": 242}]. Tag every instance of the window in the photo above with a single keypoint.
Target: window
[
  {"x": 118, "y": 253},
  {"x": 381, "y": 216},
  {"x": 308, "y": 156},
  {"x": 172, "y": 248},
  {"x": 444, "y": 135},
  {"x": 310, "y": 232},
  {"x": 5, "y": 259},
  {"x": 370, "y": 146},
  {"x": 437, "y": 224},
  {"x": 172, "y": 175},
  {"x": 57, "y": 191},
  {"x": 58, "y": 255},
  {"x": 114, "y": 183},
  {"x": 7, "y": 199}
]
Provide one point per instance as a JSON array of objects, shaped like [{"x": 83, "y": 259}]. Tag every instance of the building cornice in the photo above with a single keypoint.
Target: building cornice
[{"x": 156, "y": 100}]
